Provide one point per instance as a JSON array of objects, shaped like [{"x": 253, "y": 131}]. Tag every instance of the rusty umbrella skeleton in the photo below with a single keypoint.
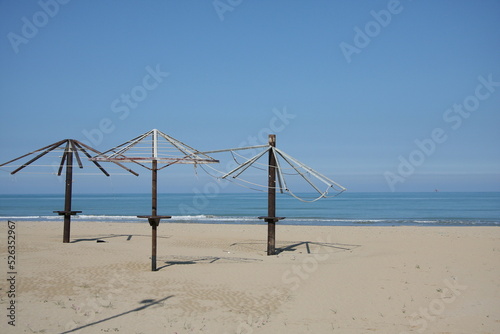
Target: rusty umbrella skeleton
[
  {"x": 280, "y": 167},
  {"x": 160, "y": 150},
  {"x": 154, "y": 150},
  {"x": 70, "y": 150}
]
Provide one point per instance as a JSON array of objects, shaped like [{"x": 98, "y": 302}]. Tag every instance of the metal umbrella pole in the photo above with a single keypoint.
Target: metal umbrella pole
[
  {"x": 68, "y": 195},
  {"x": 154, "y": 219}
]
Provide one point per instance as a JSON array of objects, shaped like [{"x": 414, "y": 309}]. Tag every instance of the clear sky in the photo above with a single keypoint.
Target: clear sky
[{"x": 378, "y": 95}]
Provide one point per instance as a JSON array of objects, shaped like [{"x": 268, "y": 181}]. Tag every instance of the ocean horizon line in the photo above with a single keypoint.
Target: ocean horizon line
[
  {"x": 383, "y": 208},
  {"x": 248, "y": 192}
]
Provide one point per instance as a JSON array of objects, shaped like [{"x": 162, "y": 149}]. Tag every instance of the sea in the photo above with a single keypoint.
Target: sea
[{"x": 347, "y": 209}]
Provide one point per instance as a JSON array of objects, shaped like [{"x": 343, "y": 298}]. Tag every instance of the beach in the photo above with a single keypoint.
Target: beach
[{"x": 217, "y": 278}]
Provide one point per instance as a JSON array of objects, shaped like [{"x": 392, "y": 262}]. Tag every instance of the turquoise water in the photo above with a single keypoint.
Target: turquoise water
[{"x": 380, "y": 209}]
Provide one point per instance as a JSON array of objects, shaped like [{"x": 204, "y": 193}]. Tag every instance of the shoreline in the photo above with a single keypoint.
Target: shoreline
[
  {"x": 216, "y": 278},
  {"x": 288, "y": 221}
]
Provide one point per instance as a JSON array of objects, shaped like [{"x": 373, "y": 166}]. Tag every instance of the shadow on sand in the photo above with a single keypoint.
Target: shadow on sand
[
  {"x": 318, "y": 245},
  {"x": 183, "y": 260},
  {"x": 110, "y": 236},
  {"x": 147, "y": 303},
  {"x": 310, "y": 247}
]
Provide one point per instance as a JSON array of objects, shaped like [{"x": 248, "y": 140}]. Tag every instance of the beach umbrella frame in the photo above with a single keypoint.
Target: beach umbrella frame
[
  {"x": 125, "y": 153},
  {"x": 71, "y": 149},
  {"x": 275, "y": 175}
]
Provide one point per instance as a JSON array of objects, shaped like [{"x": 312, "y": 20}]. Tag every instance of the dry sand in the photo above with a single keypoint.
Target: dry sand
[{"x": 218, "y": 279}]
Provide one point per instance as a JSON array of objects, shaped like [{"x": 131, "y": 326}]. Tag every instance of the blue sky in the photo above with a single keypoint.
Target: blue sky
[{"x": 378, "y": 95}]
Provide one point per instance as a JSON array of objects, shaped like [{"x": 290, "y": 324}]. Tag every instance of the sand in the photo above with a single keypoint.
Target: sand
[{"x": 218, "y": 279}]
